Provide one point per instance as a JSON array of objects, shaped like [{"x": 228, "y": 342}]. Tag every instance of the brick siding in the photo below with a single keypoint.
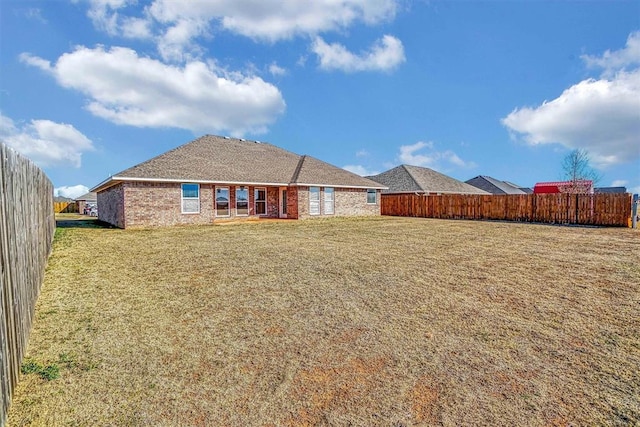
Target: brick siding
[
  {"x": 273, "y": 196},
  {"x": 347, "y": 202},
  {"x": 111, "y": 205},
  {"x": 292, "y": 202},
  {"x": 152, "y": 204}
]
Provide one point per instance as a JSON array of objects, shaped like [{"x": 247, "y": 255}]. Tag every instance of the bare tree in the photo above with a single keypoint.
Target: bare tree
[{"x": 577, "y": 170}]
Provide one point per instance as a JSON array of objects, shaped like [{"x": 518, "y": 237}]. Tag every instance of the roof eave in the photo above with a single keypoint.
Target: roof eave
[
  {"x": 376, "y": 187},
  {"x": 109, "y": 182},
  {"x": 113, "y": 180}
]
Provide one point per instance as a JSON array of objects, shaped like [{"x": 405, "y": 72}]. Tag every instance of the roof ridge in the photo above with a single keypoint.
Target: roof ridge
[
  {"x": 296, "y": 172},
  {"x": 415, "y": 181}
]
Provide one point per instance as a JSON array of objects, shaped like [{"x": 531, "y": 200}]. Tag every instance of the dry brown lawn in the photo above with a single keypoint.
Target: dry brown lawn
[{"x": 363, "y": 322}]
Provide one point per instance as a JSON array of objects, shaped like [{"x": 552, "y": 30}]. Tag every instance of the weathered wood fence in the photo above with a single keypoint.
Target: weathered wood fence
[
  {"x": 586, "y": 209},
  {"x": 65, "y": 207},
  {"x": 27, "y": 225}
]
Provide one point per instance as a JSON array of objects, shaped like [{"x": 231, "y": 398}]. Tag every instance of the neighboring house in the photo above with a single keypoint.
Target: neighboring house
[
  {"x": 610, "y": 190},
  {"x": 87, "y": 203},
  {"x": 416, "y": 179},
  {"x": 219, "y": 178},
  {"x": 495, "y": 186}
]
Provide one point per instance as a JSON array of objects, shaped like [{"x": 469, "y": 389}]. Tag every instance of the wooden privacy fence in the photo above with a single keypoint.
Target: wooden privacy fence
[
  {"x": 27, "y": 225},
  {"x": 65, "y": 207},
  {"x": 587, "y": 209}
]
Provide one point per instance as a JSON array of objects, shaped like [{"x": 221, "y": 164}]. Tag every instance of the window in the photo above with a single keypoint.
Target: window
[
  {"x": 314, "y": 200},
  {"x": 242, "y": 201},
  {"x": 190, "y": 198},
  {"x": 222, "y": 201},
  {"x": 261, "y": 201},
  {"x": 371, "y": 196},
  {"x": 328, "y": 200}
]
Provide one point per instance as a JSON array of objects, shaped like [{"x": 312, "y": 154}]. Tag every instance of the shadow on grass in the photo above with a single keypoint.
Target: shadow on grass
[{"x": 86, "y": 222}]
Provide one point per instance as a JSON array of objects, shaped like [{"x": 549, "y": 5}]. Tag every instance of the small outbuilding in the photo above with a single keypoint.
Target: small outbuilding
[{"x": 581, "y": 186}]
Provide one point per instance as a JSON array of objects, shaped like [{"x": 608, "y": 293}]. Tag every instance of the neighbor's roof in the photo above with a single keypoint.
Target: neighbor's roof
[
  {"x": 610, "y": 190},
  {"x": 217, "y": 159},
  {"x": 88, "y": 196},
  {"x": 410, "y": 179},
  {"x": 495, "y": 186}
]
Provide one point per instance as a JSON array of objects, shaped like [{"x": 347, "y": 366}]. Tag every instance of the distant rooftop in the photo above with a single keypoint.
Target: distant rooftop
[
  {"x": 410, "y": 179},
  {"x": 495, "y": 186}
]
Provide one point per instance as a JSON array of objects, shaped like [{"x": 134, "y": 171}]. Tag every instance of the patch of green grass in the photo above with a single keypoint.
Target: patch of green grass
[
  {"x": 67, "y": 359},
  {"x": 47, "y": 373},
  {"x": 30, "y": 367}
]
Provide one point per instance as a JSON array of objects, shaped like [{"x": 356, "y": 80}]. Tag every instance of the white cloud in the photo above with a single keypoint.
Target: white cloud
[
  {"x": 385, "y": 55},
  {"x": 176, "y": 43},
  {"x": 136, "y": 28},
  {"x": 360, "y": 170},
  {"x": 409, "y": 156},
  {"x": 618, "y": 59},
  {"x": 274, "y": 20},
  {"x": 127, "y": 89},
  {"x": 619, "y": 183},
  {"x": 601, "y": 115},
  {"x": 70, "y": 192},
  {"x": 362, "y": 153},
  {"x": 35, "y": 14},
  {"x": 104, "y": 14},
  {"x": 423, "y": 154},
  {"x": 34, "y": 61},
  {"x": 45, "y": 142},
  {"x": 175, "y": 25},
  {"x": 277, "y": 70}
]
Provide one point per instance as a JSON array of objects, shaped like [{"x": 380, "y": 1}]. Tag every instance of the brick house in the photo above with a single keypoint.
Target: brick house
[{"x": 217, "y": 178}]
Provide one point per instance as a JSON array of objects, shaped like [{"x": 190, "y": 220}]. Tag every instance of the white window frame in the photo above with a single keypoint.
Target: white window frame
[
  {"x": 215, "y": 194},
  {"x": 375, "y": 196},
  {"x": 183, "y": 198},
  {"x": 329, "y": 204},
  {"x": 256, "y": 200},
  {"x": 313, "y": 201},
  {"x": 239, "y": 188}
]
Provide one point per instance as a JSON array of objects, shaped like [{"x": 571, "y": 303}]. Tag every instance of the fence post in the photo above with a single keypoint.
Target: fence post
[{"x": 634, "y": 211}]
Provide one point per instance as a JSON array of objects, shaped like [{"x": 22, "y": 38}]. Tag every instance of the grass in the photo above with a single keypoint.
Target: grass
[{"x": 383, "y": 321}]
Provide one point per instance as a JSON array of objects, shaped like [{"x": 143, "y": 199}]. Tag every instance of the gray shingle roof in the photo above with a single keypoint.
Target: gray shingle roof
[
  {"x": 610, "y": 190},
  {"x": 410, "y": 179},
  {"x": 494, "y": 186},
  {"x": 91, "y": 196},
  {"x": 219, "y": 159},
  {"x": 315, "y": 171}
]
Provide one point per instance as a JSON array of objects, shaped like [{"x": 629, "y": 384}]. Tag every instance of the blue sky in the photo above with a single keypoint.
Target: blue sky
[{"x": 505, "y": 89}]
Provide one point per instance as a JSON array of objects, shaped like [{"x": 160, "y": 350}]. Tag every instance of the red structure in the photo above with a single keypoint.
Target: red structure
[{"x": 583, "y": 186}]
